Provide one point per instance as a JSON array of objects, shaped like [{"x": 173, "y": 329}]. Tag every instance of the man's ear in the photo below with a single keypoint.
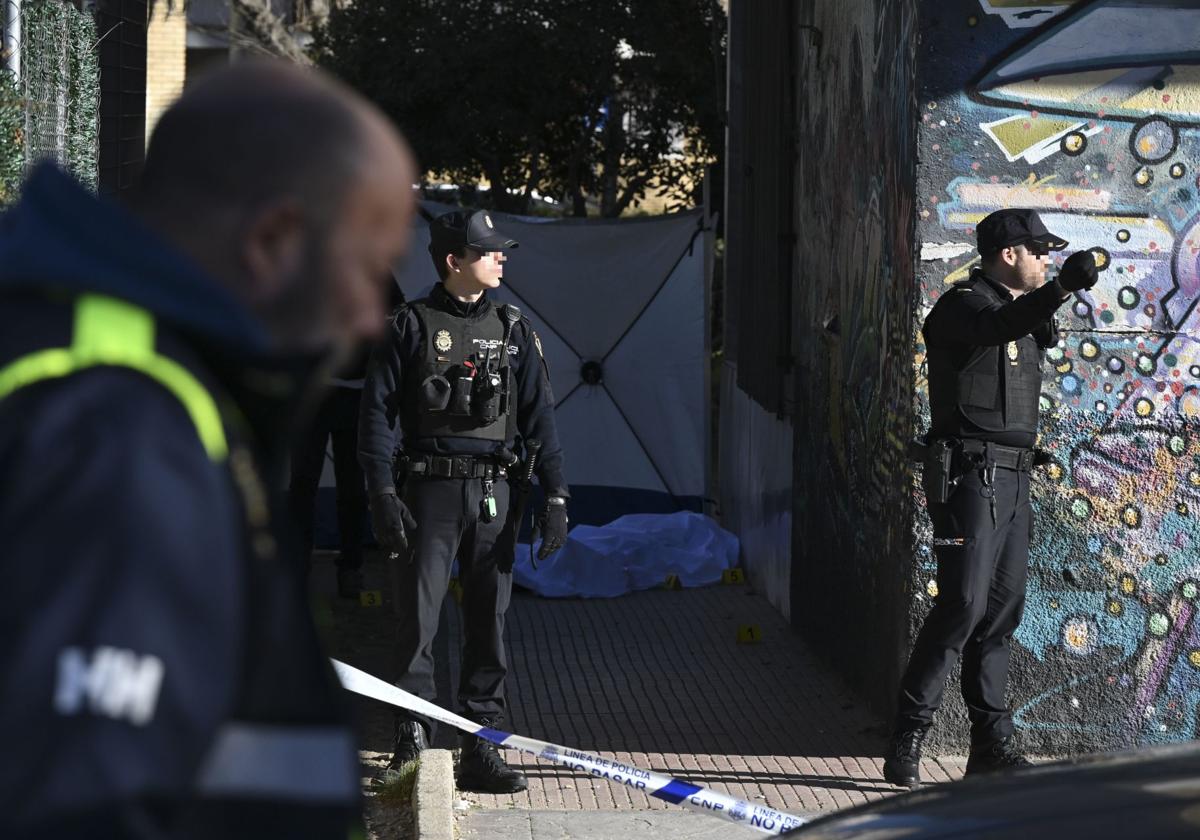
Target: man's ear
[
  {"x": 274, "y": 247},
  {"x": 1009, "y": 255},
  {"x": 452, "y": 262}
]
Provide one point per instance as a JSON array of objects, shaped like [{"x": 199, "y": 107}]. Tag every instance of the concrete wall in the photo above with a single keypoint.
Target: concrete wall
[
  {"x": 756, "y": 489},
  {"x": 852, "y": 304},
  {"x": 1109, "y": 651}
]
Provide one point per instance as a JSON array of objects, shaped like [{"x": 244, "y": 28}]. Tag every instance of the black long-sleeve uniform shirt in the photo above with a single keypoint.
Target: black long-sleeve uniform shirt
[
  {"x": 981, "y": 312},
  {"x": 974, "y": 320},
  {"x": 385, "y": 417}
]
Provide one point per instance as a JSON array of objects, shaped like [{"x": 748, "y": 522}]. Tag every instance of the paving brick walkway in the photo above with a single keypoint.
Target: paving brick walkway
[{"x": 657, "y": 679}]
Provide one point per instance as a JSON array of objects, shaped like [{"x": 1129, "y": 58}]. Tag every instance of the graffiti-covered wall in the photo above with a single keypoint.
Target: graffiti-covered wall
[
  {"x": 1089, "y": 112},
  {"x": 852, "y": 305}
]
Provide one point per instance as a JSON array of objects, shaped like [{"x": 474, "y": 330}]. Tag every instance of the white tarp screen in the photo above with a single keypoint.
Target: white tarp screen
[{"x": 630, "y": 295}]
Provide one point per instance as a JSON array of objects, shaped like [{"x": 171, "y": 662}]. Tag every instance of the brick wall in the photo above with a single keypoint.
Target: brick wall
[{"x": 166, "y": 51}]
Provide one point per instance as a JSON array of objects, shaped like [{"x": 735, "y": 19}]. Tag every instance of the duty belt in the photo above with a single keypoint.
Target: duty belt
[
  {"x": 1005, "y": 457},
  {"x": 452, "y": 466}
]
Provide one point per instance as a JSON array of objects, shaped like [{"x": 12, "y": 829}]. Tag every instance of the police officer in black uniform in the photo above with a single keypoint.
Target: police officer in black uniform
[
  {"x": 464, "y": 382},
  {"x": 985, "y": 339}
]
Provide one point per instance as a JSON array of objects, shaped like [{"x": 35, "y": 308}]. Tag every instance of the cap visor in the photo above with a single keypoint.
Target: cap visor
[
  {"x": 494, "y": 242},
  {"x": 1051, "y": 242}
]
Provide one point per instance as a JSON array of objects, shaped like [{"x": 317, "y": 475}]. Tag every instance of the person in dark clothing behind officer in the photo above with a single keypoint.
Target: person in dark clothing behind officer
[
  {"x": 336, "y": 422},
  {"x": 162, "y": 675},
  {"x": 985, "y": 339},
  {"x": 465, "y": 383}
]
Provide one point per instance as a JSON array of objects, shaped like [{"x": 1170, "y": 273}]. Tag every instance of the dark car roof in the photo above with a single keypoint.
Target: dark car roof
[{"x": 1152, "y": 793}]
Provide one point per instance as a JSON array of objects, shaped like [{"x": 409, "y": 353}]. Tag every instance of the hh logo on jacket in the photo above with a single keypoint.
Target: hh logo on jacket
[{"x": 112, "y": 682}]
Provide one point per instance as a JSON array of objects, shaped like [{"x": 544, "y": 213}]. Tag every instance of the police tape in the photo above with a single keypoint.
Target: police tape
[{"x": 658, "y": 785}]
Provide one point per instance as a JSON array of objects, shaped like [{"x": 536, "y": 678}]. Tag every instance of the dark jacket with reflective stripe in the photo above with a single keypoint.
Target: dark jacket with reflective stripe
[
  {"x": 984, "y": 352},
  {"x": 388, "y": 417},
  {"x": 121, "y": 534}
]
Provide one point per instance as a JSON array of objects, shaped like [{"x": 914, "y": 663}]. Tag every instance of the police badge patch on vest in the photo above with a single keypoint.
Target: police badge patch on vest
[
  {"x": 442, "y": 342},
  {"x": 1013, "y": 353}
]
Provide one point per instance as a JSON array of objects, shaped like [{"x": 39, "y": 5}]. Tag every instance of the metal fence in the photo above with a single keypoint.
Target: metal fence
[
  {"x": 58, "y": 87},
  {"x": 45, "y": 79}
]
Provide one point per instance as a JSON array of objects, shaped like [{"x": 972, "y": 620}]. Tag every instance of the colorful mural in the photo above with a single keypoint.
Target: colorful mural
[{"x": 1090, "y": 112}]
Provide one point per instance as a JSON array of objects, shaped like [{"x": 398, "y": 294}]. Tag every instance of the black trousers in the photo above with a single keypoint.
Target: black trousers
[
  {"x": 981, "y": 571},
  {"x": 449, "y": 526},
  {"x": 336, "y": 418}
]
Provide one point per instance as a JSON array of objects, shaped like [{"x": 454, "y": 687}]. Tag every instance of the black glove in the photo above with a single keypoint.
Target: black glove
[
  {"x": 392, "y": 522},
  {"x": 553, "y": 525},
  {"x": 1078, "y": 272}
]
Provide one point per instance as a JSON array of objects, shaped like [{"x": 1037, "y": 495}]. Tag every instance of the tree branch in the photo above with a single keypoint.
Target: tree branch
[{"x": 256, "y": 28}]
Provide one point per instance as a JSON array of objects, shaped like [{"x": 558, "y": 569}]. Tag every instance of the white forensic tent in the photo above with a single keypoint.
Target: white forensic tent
[{"x": 621, "y": 309}]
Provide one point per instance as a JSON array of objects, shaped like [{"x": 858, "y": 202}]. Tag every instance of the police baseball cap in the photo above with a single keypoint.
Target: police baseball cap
[
  {"x": 467, "y": 229},
  {"x": 1006, "y": 228}
]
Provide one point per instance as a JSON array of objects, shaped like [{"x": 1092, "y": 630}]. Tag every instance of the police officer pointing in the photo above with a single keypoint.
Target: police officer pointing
[
  {"x": 465, "y": 383},
  {"x": 985, "y": 339}
]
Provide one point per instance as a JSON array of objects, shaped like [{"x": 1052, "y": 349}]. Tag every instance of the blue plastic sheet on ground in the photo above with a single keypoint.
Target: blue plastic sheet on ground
[{"x": 634, "y": 552}]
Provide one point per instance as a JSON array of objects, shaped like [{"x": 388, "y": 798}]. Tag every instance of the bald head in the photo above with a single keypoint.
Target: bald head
[{"x": 286, "y": 186}]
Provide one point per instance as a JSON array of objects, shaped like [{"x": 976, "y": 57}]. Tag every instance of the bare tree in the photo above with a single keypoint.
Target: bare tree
[{"x": 257, "y": 28}]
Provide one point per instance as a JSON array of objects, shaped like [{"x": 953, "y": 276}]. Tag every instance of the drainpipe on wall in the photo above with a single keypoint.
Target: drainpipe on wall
[{"x": 12, "y": 37}]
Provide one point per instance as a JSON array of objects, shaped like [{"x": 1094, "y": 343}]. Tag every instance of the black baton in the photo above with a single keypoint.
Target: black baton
[{"x": 533, "y": 447}]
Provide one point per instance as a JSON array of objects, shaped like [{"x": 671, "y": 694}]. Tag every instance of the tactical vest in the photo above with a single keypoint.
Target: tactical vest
[
  {"x": 991, "y": 389},
  {"x": 307, "y": 759},
  {"x": 463, "y": 377}
]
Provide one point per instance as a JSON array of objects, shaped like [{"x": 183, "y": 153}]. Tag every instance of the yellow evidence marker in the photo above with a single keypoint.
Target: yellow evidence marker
[{"x": 749, "y": 634}]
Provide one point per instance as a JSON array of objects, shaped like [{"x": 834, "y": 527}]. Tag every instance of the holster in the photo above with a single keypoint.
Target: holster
[{"x": 938, "y": 476}]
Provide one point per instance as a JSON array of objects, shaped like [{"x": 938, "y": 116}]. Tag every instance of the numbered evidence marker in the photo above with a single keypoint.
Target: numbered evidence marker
[
  {"x": 749, "y": 634},
  {"x": 672, "y": 582},
  {"x": 733, "y": 576},
  {"x": 370, "y": 598}
]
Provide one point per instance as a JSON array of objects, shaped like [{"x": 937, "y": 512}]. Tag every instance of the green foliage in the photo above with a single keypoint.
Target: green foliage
[
  {"x": 60, "y": 81},
  {"x": 580, "y": 99},
  {"x": 397, "y": 788},
  {"x": 12, "y": 146},
  {"x": 83, "y": 113}
]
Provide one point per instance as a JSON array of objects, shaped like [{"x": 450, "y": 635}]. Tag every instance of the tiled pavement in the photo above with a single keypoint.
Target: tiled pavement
[{"x": 657, "y": 679}]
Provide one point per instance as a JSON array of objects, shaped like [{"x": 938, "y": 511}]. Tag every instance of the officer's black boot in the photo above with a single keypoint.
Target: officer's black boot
[
  {"x": 902, "y": 763},
  {"x": 998, "y": 755},
  {"x": 411, "y": 739},
  {"x": 481, "y": 769}
]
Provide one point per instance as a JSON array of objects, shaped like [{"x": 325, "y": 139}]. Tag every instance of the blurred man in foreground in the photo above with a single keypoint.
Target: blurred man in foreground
[{"x": 162, "y": 674}]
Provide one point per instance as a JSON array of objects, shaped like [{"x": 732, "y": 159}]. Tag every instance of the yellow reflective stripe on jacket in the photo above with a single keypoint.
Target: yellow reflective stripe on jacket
[{"x": 110, "y": 332}]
